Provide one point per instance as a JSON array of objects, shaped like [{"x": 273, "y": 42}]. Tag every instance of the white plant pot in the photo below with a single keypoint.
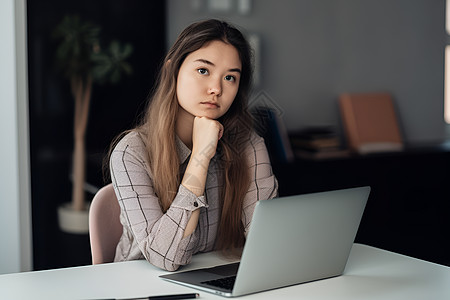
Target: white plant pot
[{"x": 73, "y": 221}]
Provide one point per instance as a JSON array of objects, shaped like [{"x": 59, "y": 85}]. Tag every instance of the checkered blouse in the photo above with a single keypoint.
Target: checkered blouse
[{"x": 158, "y": 237}]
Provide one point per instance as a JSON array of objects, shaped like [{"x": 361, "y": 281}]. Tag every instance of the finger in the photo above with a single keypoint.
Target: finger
[{"x": 220, "y": 130}]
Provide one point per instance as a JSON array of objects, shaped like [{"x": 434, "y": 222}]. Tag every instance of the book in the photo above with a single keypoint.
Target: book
[
  {"x": 315, "y": 138},
  {"x": 317, "y": 143},
  {"x": 322, "y": 155},
  {"x": 370, "y": 122}
]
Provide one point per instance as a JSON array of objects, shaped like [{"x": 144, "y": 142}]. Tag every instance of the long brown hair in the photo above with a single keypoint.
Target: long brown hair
[{"x": 158, "y": 129}]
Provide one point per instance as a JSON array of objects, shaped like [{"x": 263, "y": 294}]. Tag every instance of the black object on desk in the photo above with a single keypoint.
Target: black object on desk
[{"x": 164, "y": 297}]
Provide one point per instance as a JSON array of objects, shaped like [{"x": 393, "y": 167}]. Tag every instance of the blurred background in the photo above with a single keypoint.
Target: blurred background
[{"x": 307, "y": 54}]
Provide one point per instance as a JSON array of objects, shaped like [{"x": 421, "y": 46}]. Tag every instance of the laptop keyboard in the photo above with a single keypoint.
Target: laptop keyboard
[{"x": 226, "y": 283}]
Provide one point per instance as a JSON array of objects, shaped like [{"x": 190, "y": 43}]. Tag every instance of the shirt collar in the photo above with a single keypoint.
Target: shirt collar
[{"x": 182, "y": 149}]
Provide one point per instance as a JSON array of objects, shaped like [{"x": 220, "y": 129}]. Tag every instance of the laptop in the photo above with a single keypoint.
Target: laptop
[{"x": 292, "y": 240}]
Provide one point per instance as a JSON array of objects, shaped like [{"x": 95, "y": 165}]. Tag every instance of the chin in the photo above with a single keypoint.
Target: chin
[{"x": 213, "y": 116}]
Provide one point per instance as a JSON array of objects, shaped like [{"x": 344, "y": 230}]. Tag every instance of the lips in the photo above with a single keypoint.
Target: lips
[{"x": 210, "y": 104}]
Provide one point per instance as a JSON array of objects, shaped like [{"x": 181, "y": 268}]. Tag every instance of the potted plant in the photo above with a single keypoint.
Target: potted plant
[{"x": 83, "y": 62}]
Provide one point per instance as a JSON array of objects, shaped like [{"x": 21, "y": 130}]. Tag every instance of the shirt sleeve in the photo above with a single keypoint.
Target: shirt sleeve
[
  {"x": 263, "y": 183},
  {"x": 158, "y": 235}
]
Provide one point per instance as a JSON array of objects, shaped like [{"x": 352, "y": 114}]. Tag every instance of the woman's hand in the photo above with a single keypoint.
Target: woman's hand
[{"x": 205, "y": 135}]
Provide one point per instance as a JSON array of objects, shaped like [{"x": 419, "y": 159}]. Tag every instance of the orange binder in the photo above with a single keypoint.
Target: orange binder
[{"x": 370, "y": 122}]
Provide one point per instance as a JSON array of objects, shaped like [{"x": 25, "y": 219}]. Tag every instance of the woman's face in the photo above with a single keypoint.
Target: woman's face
[{"x": 208, "y": 80}]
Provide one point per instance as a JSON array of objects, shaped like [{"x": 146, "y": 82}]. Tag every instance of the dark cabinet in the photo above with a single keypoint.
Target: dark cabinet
[{"x": 409, "y": 207}]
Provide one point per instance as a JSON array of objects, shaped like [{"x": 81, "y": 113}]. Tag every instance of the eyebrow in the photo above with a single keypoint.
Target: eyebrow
[{"x": 212, "y": 64}]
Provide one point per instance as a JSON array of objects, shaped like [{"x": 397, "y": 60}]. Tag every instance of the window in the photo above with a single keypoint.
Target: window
[
  {"x": 447, "y": 85},
  {"x": 447, "y": 67}
]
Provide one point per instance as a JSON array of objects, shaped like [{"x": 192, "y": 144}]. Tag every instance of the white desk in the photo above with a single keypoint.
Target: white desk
[{"x": 371, "y": 273}]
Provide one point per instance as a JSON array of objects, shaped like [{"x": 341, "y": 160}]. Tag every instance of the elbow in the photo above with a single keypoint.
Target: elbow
[
  {"x": 164, "y": 264},
  {"x": 172, "y": 267}
]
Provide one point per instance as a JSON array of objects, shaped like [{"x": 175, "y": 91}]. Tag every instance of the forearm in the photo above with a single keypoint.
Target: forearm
[
  {"x": 194, "y": 180},
  {"x": 205, "y": 135}
]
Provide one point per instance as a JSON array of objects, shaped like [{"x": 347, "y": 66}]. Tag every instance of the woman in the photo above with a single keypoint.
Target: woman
[{"x": 188, "y": 178}]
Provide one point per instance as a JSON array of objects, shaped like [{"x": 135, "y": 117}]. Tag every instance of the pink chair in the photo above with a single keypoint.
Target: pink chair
[{"x": 105, "y": 228}]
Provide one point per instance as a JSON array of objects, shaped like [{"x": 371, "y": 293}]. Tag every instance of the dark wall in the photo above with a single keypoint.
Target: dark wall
[{"x": 113, "y": 109}]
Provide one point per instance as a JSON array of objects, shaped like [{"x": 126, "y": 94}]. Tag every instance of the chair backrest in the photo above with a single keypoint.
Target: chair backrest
[{"x": 105, "y": 228}]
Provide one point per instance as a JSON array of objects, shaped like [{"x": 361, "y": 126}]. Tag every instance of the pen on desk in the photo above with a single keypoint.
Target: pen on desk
[
  {"x": 175, "y": 297},
  {"x": 167, "y": 297}
]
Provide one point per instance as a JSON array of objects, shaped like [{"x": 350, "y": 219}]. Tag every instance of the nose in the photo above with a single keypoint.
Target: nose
[{"x": 215, "y": 87}]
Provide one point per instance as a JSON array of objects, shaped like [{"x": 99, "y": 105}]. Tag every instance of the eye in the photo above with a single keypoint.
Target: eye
[
  {"x": 202, "y": 71},
  {"x": 230, "y": 78}
]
